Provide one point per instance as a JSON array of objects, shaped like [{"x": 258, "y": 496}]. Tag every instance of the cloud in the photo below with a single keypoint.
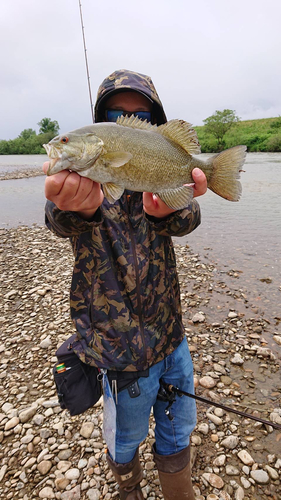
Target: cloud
[{"x": 201, "y": 56}]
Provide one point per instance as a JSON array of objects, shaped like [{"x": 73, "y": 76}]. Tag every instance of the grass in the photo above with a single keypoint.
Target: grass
[{"x": 257, "y": 135}]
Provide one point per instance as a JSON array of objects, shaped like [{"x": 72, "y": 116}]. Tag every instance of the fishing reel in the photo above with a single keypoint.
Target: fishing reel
[{"x": 166, "y": 394}]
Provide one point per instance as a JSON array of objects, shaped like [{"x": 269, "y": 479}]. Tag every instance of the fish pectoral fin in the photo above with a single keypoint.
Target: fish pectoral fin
[
  {"x": 117, "y": 158},
  {"x": 112, "y": 191},
  {"x": 178, "y": 198},
  {"x": 182, "y": 133}
]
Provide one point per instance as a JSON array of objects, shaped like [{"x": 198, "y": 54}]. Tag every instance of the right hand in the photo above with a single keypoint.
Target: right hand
[{"x": 71, "y": 192}]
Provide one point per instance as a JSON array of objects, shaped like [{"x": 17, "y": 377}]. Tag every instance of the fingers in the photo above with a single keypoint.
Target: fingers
[
  {"x": 71, "y": 192},
  {"x": 149, "y": 202},
  {"x": 55, "y": 183},
  {"x": 200, "y": 182}
]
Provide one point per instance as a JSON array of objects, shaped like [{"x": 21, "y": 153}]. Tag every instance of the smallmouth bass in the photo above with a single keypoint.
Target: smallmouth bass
[{"x": 136, "y": 155}]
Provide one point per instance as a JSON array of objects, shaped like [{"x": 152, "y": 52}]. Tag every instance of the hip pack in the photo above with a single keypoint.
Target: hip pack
[{"x": 77, "y": 384}]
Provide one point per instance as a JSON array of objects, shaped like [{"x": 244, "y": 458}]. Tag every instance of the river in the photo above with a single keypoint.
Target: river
[{"x": 242, "y": 237}]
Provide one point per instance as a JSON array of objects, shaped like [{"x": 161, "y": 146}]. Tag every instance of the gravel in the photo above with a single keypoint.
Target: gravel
[{"x": 45, "y": 453}]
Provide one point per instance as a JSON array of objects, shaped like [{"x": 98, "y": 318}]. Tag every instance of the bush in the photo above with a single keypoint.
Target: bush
[
  {"x": 276, "y": 124},
  {"x": 274, "y": 144}
]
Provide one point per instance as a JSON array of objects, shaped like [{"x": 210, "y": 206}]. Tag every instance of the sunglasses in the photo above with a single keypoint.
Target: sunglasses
[{"x": 112, "y": 114}]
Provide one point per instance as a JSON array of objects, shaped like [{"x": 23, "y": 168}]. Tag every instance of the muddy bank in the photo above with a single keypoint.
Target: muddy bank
[{"x": 45, "y": 453}]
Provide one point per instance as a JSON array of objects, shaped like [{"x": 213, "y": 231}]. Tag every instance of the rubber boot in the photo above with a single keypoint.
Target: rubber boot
[
  {"x": 128, "y": 476},
  {"x": 175, "y": 475}
]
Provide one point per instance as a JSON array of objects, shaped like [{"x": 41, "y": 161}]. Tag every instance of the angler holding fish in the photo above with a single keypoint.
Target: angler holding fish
[{"x": 125, "y": 297}]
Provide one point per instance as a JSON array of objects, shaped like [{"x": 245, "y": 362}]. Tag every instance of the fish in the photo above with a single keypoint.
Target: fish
[{"x": 133, "y": 154}]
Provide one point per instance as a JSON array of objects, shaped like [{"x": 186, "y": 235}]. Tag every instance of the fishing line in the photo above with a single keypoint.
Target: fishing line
[{"x": 86, "y": 61}]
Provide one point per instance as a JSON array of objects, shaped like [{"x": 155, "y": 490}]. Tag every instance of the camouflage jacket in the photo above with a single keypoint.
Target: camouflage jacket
[{"x": 125, "y": 297}]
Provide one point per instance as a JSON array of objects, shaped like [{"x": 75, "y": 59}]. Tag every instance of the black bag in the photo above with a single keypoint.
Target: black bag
[{"x": 77, "y": 383}]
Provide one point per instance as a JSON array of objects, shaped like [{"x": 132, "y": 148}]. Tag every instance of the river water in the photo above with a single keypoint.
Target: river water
[{"x": 244, "y": 237}]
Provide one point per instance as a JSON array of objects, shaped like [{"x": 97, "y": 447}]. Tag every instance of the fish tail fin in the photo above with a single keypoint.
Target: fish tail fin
[{"x": 226, "y": 168}]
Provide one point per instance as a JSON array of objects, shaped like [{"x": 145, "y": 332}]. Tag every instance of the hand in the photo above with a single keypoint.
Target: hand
[
  {"x": 154, "y": 206},
  {"x": 70, "y": 191}
]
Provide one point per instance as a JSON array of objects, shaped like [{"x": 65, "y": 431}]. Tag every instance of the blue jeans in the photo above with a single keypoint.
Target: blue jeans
[{"x": 133, "y": 414}]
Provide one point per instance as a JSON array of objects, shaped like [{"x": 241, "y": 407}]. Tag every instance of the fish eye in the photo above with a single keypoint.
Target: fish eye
[{"x": 64, "y": 139}]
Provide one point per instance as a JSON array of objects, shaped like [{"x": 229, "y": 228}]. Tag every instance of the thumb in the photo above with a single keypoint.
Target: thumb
[{"x": 45, "y": 166}]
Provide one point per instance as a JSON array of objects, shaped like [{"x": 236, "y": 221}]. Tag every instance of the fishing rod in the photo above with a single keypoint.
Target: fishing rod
[
  {"x": 167, "y": 392},
  {"x": 86, "y": 61}
]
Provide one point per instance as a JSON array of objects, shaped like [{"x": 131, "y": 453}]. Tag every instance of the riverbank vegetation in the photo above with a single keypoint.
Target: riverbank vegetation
[
  {"x": 221, "y": 131},
  {"x": 258, "y": 135},
  {"x": 28, "y": 142}
]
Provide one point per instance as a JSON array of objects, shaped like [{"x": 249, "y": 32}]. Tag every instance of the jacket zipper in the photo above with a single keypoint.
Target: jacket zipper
[{"x": 139, "y": 307}]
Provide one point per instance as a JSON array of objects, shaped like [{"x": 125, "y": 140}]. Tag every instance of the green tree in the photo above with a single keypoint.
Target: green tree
[
  {"x": 26, "y": 133},
  {"x": 48, "y": 125},
  {"x": 219, "y": 123}
]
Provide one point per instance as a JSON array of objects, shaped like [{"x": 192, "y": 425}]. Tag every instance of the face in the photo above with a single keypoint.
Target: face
[{"x": 129, "y": 103}]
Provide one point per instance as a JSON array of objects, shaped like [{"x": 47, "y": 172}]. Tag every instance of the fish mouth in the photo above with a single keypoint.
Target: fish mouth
[
  {"x": 52, "y": 164},
  {"x": 54, "y": 156}
]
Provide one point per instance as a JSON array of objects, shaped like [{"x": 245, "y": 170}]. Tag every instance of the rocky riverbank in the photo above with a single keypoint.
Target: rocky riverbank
[
  {"x": 45, "y": 453},
  {"x": 21, "y": 173}
]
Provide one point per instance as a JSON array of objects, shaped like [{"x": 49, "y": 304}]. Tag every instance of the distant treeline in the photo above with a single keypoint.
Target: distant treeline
[
  {"x": 257, "y": 135},
  {"x": 30, "y": 143},
  {"x": 30, "y": 146}
]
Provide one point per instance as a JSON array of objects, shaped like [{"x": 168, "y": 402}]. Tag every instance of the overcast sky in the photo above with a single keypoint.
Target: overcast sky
[{"x": 203, "y": 56}]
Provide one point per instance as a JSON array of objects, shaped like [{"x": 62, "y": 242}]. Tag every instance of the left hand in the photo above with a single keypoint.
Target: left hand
[{"x": 152, "y": 205}]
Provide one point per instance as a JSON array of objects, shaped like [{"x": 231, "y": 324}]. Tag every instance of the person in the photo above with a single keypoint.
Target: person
[{"x": 125, "y": 298}]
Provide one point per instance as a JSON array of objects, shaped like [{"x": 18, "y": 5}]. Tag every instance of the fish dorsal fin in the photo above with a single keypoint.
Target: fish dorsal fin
[
  {"x": 112, "y": 191},
  {"x": 135, "y": 122},
  {"x": 182, "y": 133},
  {"x": 178, "y": 198}
]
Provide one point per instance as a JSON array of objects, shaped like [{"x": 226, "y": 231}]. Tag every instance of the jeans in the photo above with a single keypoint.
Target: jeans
[{"x": 132, "y": 422}]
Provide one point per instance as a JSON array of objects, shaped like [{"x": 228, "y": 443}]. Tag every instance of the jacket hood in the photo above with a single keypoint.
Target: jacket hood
[{"x": 124, "y": 80}]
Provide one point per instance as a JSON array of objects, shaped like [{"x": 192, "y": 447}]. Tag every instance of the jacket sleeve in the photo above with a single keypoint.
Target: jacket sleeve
[
  {"x": 67, "y": 224},
  {"x": 178, "y": 223}
]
